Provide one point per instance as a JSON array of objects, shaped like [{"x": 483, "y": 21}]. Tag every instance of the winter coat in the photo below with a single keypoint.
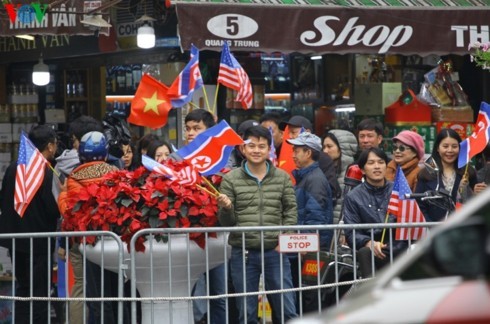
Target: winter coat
[
  {"x": 328, "y": 168},
  {"x": 428, "y": 182},
  {"x": 270, "y": 202},
  {"x": 314, "y": 200},
  {"x": 410, "y": 169},
  {"x": 82, "y": 176},
  {"x": 366, "y": 204},
  {"x": 65, "y": 163},
  {"x": 41, "y": 215},
  {"x": 348, "y": 147}
]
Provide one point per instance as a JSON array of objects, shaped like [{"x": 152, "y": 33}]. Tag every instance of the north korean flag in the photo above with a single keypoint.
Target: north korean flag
[
  {"x": 477, "y": 142},
  {"x": 209, "y": 152}
]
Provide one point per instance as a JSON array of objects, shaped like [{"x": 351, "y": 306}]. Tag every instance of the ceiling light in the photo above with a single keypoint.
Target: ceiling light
[
  {"x": 40, "y": 73},
  {"x": 316, "y": 57},
  {"x": 95, "y": 21},
  {"x": 146, "y": 36}
]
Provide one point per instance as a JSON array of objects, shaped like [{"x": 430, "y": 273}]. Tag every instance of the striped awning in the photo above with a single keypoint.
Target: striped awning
[{"x": 456, "y": 4}]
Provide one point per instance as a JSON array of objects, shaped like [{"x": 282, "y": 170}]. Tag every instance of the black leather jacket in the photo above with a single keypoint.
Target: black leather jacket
[{"x": 366, "y": 204}]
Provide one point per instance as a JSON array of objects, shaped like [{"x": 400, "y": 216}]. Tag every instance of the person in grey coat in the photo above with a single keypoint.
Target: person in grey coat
[{"x": 341, "y": 146}]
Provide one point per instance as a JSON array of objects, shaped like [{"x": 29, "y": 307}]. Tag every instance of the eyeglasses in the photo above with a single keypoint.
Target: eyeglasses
[{"x": 401, "y": 148}]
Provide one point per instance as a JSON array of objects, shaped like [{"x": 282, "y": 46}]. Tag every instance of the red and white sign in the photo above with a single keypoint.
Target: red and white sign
[{"x": 301, "y": 242}]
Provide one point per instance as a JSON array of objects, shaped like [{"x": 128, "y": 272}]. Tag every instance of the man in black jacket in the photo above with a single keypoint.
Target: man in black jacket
[
  {"x": 368, "y": 204},
  {"x": 41, "y": 215}
]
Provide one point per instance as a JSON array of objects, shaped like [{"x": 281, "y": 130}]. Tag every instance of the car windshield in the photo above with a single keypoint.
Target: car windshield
[{"x": 460, "y": 251}]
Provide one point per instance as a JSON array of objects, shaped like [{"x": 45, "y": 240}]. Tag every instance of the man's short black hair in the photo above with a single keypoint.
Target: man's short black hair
[
  {"x": 258, "y": 132},
  {"x": 41, "y": 136},
  {"x": 370, "y": 124},
  {"x": 271, "y": 116},
  {"x": 198, "y": 115},
  {"x": 83, "y": 125},
  {"x": 365, "y": 153}
]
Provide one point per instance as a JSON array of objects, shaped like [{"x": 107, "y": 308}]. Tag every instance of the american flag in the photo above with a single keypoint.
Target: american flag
[
  {"x": 407, "y": 211},
  {"x": 29, "y": 175},
  {"x": 187, "y": 176},
  {"x": 189, "y": 80},
  {"x": 233, "y": 76},
  {"x": 272, "y": 152}
]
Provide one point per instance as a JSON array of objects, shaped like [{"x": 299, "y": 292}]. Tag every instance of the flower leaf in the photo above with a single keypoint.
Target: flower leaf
[
  {"x": 126, "y": 202},
  {"x": 184, "y": 210}
]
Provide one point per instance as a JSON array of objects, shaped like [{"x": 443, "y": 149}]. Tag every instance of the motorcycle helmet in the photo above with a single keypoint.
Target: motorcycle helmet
[{"x": 93, "y": 147}]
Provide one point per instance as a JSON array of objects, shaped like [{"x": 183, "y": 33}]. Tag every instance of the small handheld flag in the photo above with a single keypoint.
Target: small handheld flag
[
  {"x": 30, "y": 174},
  {"x": 405, "y": 210},
  {"x": 477, "y": 142},
  {"x": 209, "y": 152},
  {"x": 186, "y": 176},
  {"x": 189, "y": 80},
  {"x": 150, "y": 105},
  {"x": 232, "y": 75}
]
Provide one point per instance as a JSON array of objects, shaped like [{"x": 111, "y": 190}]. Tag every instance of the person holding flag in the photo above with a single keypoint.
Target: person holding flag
[
  {"x": 367, "y": 203},
  {"x": 197, "y": 122},
  {"x": 258, "y": 194},
  {"x": 447, "y": 176},
  {"x": 28, "y": 206}
]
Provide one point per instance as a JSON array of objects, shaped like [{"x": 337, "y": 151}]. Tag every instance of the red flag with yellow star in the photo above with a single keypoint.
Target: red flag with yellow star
[{"x": 150, "y": 105}]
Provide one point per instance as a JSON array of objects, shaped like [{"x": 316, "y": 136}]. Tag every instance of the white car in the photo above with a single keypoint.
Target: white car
[{"x": 446, "y": 278}]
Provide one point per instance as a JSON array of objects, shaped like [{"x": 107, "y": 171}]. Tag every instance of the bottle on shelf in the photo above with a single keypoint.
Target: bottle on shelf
[
  {"x": 121, "y": 79},
  {"x": 129, "y": 78},
  {"x": 137, "y": 74},
  {"x": 80, "y": 86}
]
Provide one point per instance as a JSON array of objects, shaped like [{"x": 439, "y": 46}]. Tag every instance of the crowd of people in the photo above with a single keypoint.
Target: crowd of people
[{"x": 256, "y": 192}]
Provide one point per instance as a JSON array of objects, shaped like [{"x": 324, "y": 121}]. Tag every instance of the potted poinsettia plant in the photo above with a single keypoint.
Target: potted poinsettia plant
[{"x": 125, "y": 202}]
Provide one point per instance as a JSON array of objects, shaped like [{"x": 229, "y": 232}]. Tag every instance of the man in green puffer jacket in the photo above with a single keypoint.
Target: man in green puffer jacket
[{"x": 258, "y": 194}]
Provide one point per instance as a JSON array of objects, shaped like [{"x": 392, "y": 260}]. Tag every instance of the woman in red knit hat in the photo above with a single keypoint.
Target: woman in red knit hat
[{"x": 408, "y": 150}]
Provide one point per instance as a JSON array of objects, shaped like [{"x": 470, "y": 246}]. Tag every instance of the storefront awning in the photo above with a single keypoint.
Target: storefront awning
[
  {"x": 406, "y": 27},
  {"x": 58, "y": 18}
]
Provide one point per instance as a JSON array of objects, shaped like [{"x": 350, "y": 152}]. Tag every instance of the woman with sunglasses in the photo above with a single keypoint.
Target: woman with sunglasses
[{"x": 408, "y": 150}]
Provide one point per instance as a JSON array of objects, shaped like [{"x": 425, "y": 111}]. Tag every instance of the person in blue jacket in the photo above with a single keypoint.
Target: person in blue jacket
[{"x": 313, "y": 192}]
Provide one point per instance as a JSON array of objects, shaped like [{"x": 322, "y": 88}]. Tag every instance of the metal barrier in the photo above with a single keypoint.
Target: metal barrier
[{"x": 166, "y": 273}]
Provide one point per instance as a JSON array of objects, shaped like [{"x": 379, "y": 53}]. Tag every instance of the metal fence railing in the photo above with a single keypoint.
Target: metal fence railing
[{"x": 172, "y": 281}]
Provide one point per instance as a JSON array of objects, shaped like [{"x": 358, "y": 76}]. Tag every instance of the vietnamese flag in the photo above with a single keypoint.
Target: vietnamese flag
[
  {"x": 150, "y": 105},
  {"x": 285, "y": 159}
]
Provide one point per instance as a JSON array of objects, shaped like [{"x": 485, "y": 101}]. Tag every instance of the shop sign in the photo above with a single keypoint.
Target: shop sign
[
  {"x": 36, "y": 19},
  {"x": 332, "y": 29}
]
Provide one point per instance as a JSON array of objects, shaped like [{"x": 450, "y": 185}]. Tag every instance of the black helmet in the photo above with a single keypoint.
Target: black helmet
[{"x": 93, "y": 147}]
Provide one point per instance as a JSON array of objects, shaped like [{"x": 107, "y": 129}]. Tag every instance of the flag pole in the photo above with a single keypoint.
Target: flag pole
[
  {"x": 206, "y": 190},
  {"x": 211, "y": 185},
  {"x": 206, "y": 97},
  {"x": 384, "y": 229},
  {"x": 54, "y": 171},
  {"x": 194, "y": 105},
  {"x": 465, "y": 175},
  {"x": 215, "y": 99}
]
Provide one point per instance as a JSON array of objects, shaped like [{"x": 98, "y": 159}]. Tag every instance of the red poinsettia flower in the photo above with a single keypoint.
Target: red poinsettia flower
[{"x": 126, "y": 202}]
